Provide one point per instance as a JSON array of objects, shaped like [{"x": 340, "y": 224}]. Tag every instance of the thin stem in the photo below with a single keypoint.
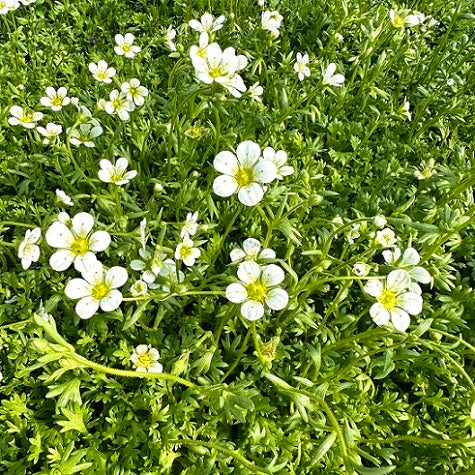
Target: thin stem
[
  {"x": 418, "y": 440},
  {"x": 223, "y": 449},
  {"x": 238, "y": 358}
]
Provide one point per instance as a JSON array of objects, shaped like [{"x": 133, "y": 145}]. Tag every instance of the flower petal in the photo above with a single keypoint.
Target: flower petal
[
  {"x": 373, "y": 287},
  {"x": 251, "y": 195},
  {"x": 400, "y": 319},
  {"x": 225, "y": 185},
  {"x": 59, "y": 235},
  {"x": 111, "y": 301},
  {"x": 116, "y": 277},
  {"x": 77, "y": 289},
  {"x": 420, "y": 275},
  {"x": 410, "y": 302},
  {"x": 82, "y": 224},
  {"x": 397, "y": 280},
  {"x": 410, "y": 257},
  {"x": 252, "y": 310},
  {"x": 272, "y": 275},
  {"x": 61, "y": 260},
  {"x": 379, "y": 314},
  {"x": 265, "y": 171},
  {"x": 226, "y": 162},
  {"x": 237, "y": 254},
  {"x": 87, "y": 307},
  {"x": 251, "y": 247},
  {"x": 248, "y": 272},
  {"x": 236, "y": 293},
  {"x": 248, "y": 153},
  {"x": 99, "y": 241},
  {"x": 277, "y": 299}
]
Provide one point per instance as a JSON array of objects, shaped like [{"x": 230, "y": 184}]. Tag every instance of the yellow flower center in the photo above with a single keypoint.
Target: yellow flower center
[
  {"x": 57, "y": 101},
  {"x": 126, "y": 48},
  {"x": 185, "y": 251},
  {"x": 134, "y": 91},
  {"x": 80, "y": 245},
  {"x": 145, "y": 360},
  {"x": 116, "y": 103},
  {"x": 27, "y": 118},
  {"x": 102, "y": 75},
  {"x": 99, "y": 291},
  {"x": 115, "y": 177},
  {"x": 216, "y": 72},
  {"x": 388, "y": 299},
  {"x": 257, "y": 291},
  {"x": 244, "y": 177},
  {"x": 399, "y": 21}
]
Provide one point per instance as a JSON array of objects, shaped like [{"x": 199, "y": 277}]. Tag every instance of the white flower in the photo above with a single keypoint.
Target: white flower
[
  {"x": 404, "y": 18},
  {"x": 190, "y": 226},
  {"x": 279, "y": 159},
  {"x": 63, "y": 197},
  {"x": 170, "y": 275},
  {"x": 134, "y": 91},
  {"x": 25, "y": 118},
  {"x": 145, "y": 359},
  {"x": 271, "y": 21},
  {"x": 138, "y": 288},
  {"x": 169, "y": 37},
  {"x": 101, "y": 71},
  {"x": 385, "y": 238},
  {"x": 116, "y": 173},
  {"x": 28, "y": 251},
  {"x": 243, "y": 173},
  {"x": 427, "y": 170},
  {"x": 125, "y": 46},
  {"x": 353, "y": 233},
  {"x": 301, "y": 67},
  {"x": 50, "y": 132},
  {"x": 404, "y": 109},
  {"x": 75, "y": 240},
  {"x": 408, "y": 262},
  {"x": 55, "y": 99},
  {"x": 256, "y": 91},
  {"x": 186, "y": 252},
  {"x": 360, "y": 269},
  {"x": 119, "y": 104},
  {"x": 379, "y": 221},
  {"x": 6, "y": 6},
  {"x": 393, "y": 301},
  {"x": 251, "y": 250},
  {"x": 258, "y": 289},
  {"x": 85, "y": 133},
  {"x": 215, "y": 65},
  {"x": 151, "y": 265},
  {"x": 332, "y": 79},
  {"x": 208, "y": 24},
  {"x": 97, "y": 288}
]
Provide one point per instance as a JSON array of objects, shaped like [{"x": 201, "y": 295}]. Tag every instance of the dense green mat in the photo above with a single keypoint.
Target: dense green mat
[{"x": 142, "y": 331}]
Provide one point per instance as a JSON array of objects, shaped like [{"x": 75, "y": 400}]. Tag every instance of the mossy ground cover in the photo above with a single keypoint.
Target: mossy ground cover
[{"x": 142, "y": 331}]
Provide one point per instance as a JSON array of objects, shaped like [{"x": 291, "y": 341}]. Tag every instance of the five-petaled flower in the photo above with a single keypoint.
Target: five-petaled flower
[
  {"x": 116, "y": 173},
  {"x": 251, "y": 251},
  {"x": 125, "y": 45},
  {"x": 134, "y": 91},
  {"x": 26, "y": 118},
  {"x": 145, "y": 359},
  {"x": 301, "y": 67},
  {"x": 102, "y": 72},
  {"x": 394, "y": 302},
  {"x": 258, "y": 289},
  {"x": 243, "y": 173},
  {"x": 55, "y": 99},
  {"x": 186, "y": 252},
  {"x": 28, "y": 251},
  {"x": 97, "y": 288},
  {"x": 76, "y": 243}
]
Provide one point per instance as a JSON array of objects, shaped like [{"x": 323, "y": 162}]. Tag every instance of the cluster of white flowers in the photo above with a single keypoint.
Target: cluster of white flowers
[
  {"x": 271, "y": 21},
  {"x": 399, "y": 295},
  {"x": 211, "y": 63},
  {"x": 7, "y": 6},
  {"x": 248, "y": 171},
  {"x": 258, "y": 288},
  {"x": 403, "y": 18}
]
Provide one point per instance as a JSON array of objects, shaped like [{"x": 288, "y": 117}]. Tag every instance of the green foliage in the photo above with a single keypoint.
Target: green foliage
[{"x": 315, "y": 387}]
